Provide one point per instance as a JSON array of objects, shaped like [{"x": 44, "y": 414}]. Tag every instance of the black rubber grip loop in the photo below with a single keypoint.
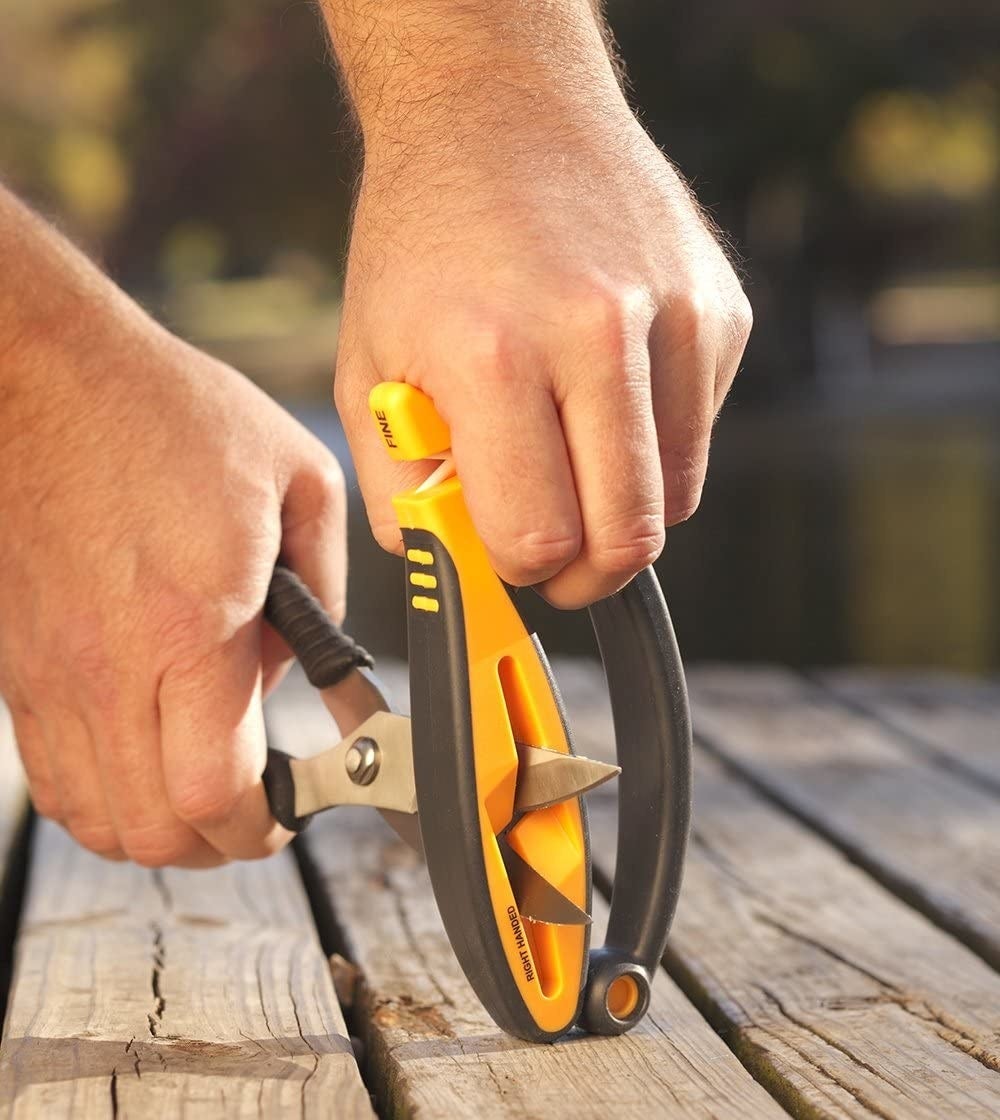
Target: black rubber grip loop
[
  {"x": 324, "y": 651},
  {"x": 280, "y": 786}
]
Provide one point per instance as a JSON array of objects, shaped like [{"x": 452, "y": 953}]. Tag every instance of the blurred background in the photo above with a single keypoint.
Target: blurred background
[{"x": 851, "y": 151}]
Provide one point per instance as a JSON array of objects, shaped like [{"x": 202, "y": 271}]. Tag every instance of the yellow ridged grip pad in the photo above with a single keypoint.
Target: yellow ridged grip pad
[
  {"x": 408, "y": 422},
  {"x": 511, "y": 700}
]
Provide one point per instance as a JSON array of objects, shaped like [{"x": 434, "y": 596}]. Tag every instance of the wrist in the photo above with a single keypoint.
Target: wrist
[
  {"x": 449, "y": 78},
  {"x": 55, "y": 305}
]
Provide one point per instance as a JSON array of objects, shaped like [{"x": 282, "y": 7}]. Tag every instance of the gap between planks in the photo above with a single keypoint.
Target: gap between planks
[{"x": 954, "y": 721}]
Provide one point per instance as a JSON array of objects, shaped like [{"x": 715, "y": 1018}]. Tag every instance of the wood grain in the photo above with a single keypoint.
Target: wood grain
[
  {"x": 928, "y": 834},
  {"x": 839, "y": 997},
  {"x": 140, "y": 993},
  {"x": 433, "y": 1049},
  {"x": 953, "y": 720}
]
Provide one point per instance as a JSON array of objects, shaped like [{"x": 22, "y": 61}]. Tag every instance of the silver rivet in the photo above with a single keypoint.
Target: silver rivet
[{"x": 362, "y": 761}]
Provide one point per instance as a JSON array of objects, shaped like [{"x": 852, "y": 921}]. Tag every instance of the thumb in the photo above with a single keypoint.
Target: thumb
[{"x": 213, "y": 748}]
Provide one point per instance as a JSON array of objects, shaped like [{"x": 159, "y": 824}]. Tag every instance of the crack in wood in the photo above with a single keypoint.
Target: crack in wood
[
  {"x": 155, "y": 1017},
  {"x": 828, "y": 1040},
  {"x": 298, "y": 1027},
  {"x": 917, "y": 1006},
  {"x": 759, "y": 1060},
  {"x": 494, "y": 1077},
  {"x": 160, "y": 885},
  {"x": 950, "y": 1032},
  {"x": 259, "y": 973}
]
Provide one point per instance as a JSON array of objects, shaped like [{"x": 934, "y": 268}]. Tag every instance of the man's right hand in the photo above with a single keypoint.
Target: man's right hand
[
  {"x": 524, "y": 254},
  {"x": 146, "y": 492}
]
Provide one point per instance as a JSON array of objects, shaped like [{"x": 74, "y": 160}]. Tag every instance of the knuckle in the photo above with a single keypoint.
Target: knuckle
[
  {"x": 685, "y": 506},
  {"x": 153, "y": 847},
  {"x": 488, "y": 351},
  {"x": 333, "y": 482},
  {"x": 33, "y": 671},
  {"x": 179, "y": 624},
  {"x": 536, "y": 554},
  {"x": 629, "y": 547},
  {"x": 98, "y": 837},
  {"x": 687, "y": 316},
  {"x": 608, "y": 313},
  {"x": 203, "y": 804},
  {"x": 387, "y": 535},
  {"x": 684, "y": 472},
  {"x": 682, "y": 495},
  {"x": 741, "y": 318},
  {"x": 609, "y": 318},
  {"x": 87, "y": 647},
  {"x": 320, "y": 509},
  {"x": 353, "y": 375},
  {"x": 46, "y": 801},
  {"x": 345, "y": 394},
  {"x": 735, "y": 323},
  {"x": 267, "y": 846}
]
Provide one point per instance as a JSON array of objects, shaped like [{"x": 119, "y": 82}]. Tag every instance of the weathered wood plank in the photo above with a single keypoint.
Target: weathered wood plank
[
  {"x": 431, "y": 1045},
  {"x": 931, "y": 836},
  {"x": 171, "y": 994},
  {"x": 954, "y": 719},
  {"x": 841, "y": 999}
]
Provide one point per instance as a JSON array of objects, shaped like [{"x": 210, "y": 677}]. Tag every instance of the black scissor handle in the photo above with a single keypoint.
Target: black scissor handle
[
  {"x": 325, "y": 653},
  {"x": 653, "y": 735},
  {"x": 323, "y": 650}
]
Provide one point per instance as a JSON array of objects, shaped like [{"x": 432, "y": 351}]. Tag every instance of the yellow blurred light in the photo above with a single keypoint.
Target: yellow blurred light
[
  {"x": 95, "y": 75},
  {"x": 947, "y": 310},
  {"x": 192, "y": 251},
  {"x": 905, "y": 143},
  {"x": 90, "y": 176}
]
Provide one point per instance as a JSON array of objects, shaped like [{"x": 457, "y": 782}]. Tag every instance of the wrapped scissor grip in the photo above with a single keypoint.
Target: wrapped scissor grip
[{"x": 323, "y": 650}]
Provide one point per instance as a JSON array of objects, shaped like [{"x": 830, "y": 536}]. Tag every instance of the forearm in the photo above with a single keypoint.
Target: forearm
[
  {"x": 70, "y": 339},
  {"x": 444, "y": 73},
  {"x": 51, "y": 295}
]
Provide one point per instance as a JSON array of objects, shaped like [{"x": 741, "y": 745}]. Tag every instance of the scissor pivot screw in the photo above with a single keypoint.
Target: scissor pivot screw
[{"x": 362, "y": 761}]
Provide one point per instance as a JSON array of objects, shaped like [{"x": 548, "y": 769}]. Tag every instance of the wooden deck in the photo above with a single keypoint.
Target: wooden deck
[{"x": 836, "y": 951}]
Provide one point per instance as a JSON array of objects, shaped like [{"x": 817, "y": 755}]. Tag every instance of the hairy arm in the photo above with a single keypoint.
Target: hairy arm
[
  {"x": 433, "y": 71},
  {"x": 524, "y": 253}
]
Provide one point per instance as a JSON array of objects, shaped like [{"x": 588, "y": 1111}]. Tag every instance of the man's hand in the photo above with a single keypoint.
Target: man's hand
[
  {"x": 146, "y": 491},
  {"x": 524, "y": 254}
]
